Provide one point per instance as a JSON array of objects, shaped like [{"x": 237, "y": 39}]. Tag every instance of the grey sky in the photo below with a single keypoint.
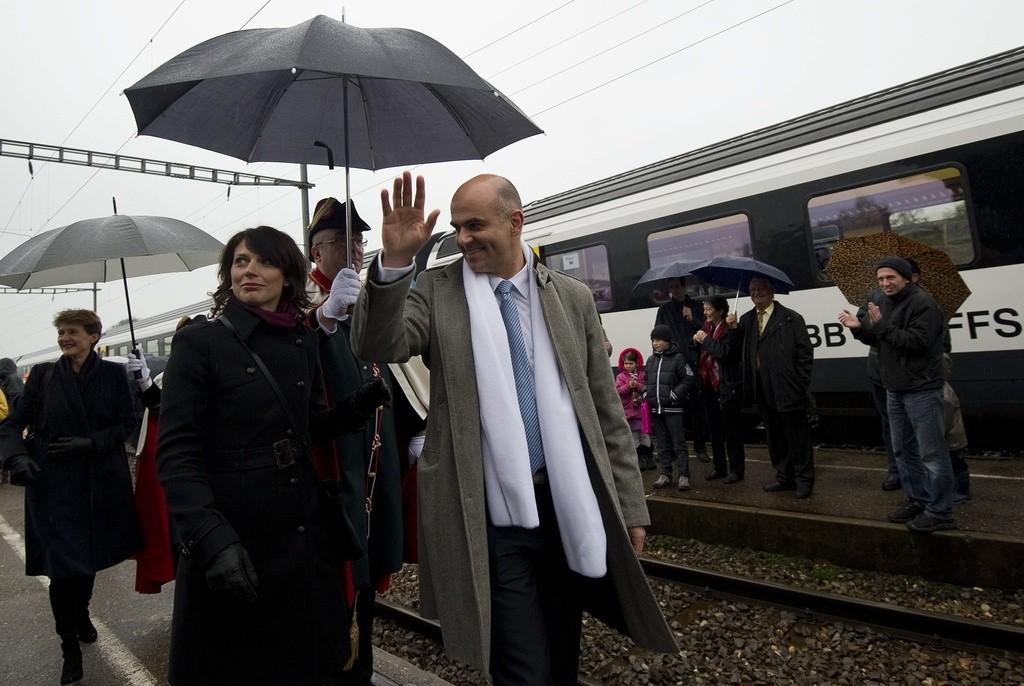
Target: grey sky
[{"x": 56, "y": 59}]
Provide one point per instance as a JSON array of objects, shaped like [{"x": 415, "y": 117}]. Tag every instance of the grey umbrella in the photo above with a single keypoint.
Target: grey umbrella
[
  {"x": 106, "y": 249},
  {"x": 383, "y": 97}
]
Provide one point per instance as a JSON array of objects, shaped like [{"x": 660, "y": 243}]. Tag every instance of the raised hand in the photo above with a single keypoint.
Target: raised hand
[
  {"x": 730, "y": 320},
  {"x": 405, "y": 230},
  {"x": 849, "y": 320},
  {"x": 874, "y": 313}
]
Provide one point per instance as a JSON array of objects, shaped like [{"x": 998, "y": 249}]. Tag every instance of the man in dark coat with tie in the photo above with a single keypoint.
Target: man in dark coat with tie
[{"x": 776, "y": 361}]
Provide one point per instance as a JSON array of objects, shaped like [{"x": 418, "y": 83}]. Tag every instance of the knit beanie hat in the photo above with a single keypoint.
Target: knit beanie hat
[
  {"x": 898, "y": 265},
  {"x": 662, "y": 333}
]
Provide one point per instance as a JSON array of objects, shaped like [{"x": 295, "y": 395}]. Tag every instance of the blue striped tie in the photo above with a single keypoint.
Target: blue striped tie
[{"x": 523, "y": 374}]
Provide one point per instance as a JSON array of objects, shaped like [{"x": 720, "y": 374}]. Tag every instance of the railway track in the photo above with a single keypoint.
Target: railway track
[{"x": 936, "y": 631}]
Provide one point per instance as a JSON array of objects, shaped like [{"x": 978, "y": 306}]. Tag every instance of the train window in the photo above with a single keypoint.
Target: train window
[
  {"x": 167, "y": 345},
  {"x": 122, "y": 350},
  {"x": 152, "y": 346},
  {"x": 930, "y": 207},
  {"x": 723, "y": 236},
  {"x": 589, "y": 265},
  {"x": 447, "y": 247}
]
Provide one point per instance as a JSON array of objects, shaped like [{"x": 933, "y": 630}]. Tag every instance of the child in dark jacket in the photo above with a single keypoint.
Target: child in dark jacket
[
  {"x": 631, "y": 385},
  {"x": 669, "y": 382}
]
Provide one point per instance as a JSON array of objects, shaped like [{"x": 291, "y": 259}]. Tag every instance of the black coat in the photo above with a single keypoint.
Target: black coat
[
  {"x": 79, "y": 516},
  {"x": 218, "y": 418},
  {"x": 786, "y": 357},
  {"x": 911, "y": 338},
  {"x": 668, "y": 373},
  {"x": 727, "y": 351},
  {"x": 10, "y": 383},
  {"x": 671, "y": 314}
]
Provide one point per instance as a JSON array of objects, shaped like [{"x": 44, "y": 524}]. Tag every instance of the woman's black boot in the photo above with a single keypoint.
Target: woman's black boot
[{"x": 71, "y": 672}]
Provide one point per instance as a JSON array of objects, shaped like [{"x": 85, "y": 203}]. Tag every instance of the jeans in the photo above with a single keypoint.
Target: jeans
[
  {"x": 881, "y": 400},
  {"x": 926, "y": 472}
]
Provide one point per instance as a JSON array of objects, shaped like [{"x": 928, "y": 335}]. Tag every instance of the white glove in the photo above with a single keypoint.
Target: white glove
[
  {"x": 416, "y": 446},
  {"x": 139, "y": 369},
  {"x": 344, "y": 292}
]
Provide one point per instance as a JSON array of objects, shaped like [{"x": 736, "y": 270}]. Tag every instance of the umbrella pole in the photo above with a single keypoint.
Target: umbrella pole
[
  {"x": 736, "y": 305},
  {"x": 128, "y": 302},
  {"x": 348, "y": 187}
]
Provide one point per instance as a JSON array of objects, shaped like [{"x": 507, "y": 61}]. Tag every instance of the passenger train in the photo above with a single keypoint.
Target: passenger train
[{"x": 938, "y": 159}]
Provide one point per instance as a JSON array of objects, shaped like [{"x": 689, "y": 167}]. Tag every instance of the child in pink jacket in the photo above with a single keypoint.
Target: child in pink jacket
[{"x": 631, "y": 385}]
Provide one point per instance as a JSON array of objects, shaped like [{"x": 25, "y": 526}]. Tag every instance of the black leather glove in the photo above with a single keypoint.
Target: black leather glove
[
  {"x": 23, "y": 470},
  {"x": 232, "y": 572},
  {"x": 70, "y": 447},
  {"x": 371, "y": 395}
]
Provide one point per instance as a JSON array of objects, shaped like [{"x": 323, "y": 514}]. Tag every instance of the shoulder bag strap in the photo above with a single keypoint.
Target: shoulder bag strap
[{"x": 300, "y": 435}]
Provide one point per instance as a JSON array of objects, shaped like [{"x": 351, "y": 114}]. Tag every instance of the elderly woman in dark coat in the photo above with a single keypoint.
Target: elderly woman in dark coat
[
  {"x": 259, "y": 598},
  {"x": 79, "y": 517}
]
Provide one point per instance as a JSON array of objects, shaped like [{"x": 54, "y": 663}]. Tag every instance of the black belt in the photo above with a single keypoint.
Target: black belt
[{"x": 281, "y": 454}]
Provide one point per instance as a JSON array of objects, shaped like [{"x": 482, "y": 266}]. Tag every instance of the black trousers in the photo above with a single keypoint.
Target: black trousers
[
  {"x": 69, "y": 600},
  {"x": 789, "y": 444},
  {"x": 671, "y": 439},
  {"x": 726, "y": 428},
  {"x": 697, "y": 422},
  {"x": 361, "y": 673},
  {"x": 536, "y": 603}
]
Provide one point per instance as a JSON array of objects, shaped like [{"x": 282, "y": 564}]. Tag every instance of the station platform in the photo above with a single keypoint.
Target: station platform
[{"x": 844, "y": 521}]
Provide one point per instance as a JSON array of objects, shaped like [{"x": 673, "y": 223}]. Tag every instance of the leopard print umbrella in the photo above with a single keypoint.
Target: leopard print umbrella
[{"x": 852, "y": 266}]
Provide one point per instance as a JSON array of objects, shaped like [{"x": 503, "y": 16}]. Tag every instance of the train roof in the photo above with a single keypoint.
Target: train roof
[{"x": 997, "y": 72}]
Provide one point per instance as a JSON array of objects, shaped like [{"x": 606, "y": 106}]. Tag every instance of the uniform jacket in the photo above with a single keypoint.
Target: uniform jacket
[
  {"x": 786, "y": 357},
  {"x": 668, "y": 375},
  {"x": 910, "y": 340},
  {"x": 343, "y": 374},
  {"x": 454, "y": 577},
  {"x": 218, "y": 417},
  {"x": 79, "y": 516}
]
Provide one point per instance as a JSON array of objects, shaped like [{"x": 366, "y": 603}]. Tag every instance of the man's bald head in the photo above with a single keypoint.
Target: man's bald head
[{"x": 505, "y": 193}]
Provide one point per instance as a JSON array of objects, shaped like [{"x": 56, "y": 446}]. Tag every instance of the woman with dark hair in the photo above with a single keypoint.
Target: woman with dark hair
[
  {"x": 258, "y": 596},
  {"x": 79, "y": 517},
  {"x": 722, "y": 390}
]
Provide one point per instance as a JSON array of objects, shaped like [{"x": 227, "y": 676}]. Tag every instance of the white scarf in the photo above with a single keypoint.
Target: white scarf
[{"x": 506, "y": 459}]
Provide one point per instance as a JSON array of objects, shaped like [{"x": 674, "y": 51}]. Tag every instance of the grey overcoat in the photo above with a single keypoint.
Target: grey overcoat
[{"x": 454, "y": 577}]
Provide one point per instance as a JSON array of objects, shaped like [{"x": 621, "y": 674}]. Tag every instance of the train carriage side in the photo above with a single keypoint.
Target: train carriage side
[{"x": 949, "y": 177}]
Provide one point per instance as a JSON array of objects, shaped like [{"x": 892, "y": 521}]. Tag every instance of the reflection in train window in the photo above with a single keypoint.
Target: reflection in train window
[
  {"x": 930, "y": 207},
  {"x": 589, "y": 265},
  {"x": 723, "y": 236}
]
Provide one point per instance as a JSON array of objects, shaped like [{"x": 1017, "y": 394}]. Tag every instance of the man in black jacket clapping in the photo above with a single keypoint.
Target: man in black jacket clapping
[{"x": 670, "y": 380}]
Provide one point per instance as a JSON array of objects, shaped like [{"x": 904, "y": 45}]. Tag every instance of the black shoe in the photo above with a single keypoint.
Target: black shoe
[
  {"x": 87, "y": 633},
  {"x": 714, "y": 475},
  {"x": 777, "y": 486},
  {"x": 802, "y": 493},
  {"x": 961, "y": 498},
  {"x": 732, "y": 478},
  {"x": 71, "y": 670},
  {"x": 703, "y": 457},
  {"x": 925, "y": 524},
  {"x": 892, "y": 483},
  {"x": 905, "y": 513}
]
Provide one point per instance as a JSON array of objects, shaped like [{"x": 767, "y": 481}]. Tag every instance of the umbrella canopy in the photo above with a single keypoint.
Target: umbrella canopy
[
  {"x": 854, "y": 261},
  {"x": 268, "y": 94},
  {"x": 92, "y": 250},
  {"x": 730, "y": 271},
  {"x": 726, "y": 271},
  {"x": 655, "y": 276}
]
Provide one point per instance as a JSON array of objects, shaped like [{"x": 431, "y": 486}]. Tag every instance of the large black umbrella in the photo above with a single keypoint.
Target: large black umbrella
[
  {"x": 108, "y": 249},
  {"x": 382, "y": 97}
]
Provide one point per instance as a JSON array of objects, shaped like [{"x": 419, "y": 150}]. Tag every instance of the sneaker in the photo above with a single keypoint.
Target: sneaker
[
  {"x": 907, "y": 512},
  {"x": 925, "y": 524},
  {"x": 892, "y": 483},
  {"x": 662, "y": 481},
  {"x": 684, "y": 483}
]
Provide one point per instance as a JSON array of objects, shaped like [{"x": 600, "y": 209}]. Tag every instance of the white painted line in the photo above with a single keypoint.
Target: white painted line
[
  {"x": 855, "y": 468},
  {"x": 125, "y": 664}
]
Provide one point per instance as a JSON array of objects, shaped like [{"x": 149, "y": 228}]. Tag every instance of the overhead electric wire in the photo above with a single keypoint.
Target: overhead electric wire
[
  {"x": 516, "y": 30},
  {"x": 567, "y": 39},
  {"x": 94, "y": 106},
  {"x": 662, "y": 58},
  {"x": 613, "y": 47},
  {"x": 262, "y": 7}
]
